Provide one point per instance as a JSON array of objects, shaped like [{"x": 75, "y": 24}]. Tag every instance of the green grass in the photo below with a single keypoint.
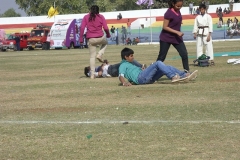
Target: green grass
[{"x": 48, "y": 108}]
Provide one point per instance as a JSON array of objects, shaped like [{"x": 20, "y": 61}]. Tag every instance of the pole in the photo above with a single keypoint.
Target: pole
[
  {"x": 151, "y": 24},
  {"x": 54, "y": 8},
  {"x": 224, "y": 30},
  {"x": 139, "y": 32}
]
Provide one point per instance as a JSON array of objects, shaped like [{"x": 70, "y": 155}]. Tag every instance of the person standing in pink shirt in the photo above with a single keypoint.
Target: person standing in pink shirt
[{"x": 95, "y": 24}]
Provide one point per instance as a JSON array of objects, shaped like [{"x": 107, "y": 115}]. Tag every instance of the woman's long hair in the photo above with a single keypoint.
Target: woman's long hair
[
  {"x": 171, "y": 3},
  {"x": 94, "y": 10}
]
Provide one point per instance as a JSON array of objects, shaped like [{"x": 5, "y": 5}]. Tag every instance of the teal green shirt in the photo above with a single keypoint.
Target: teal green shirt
[{"x": 129, "y": 71}]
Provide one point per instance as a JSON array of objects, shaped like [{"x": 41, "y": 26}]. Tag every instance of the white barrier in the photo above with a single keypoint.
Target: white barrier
[{"x": 111, "y": 15}]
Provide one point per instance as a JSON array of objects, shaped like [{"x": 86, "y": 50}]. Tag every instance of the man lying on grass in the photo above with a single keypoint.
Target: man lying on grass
[
  {"x": 135, "y": 75},
  {"x": 109, "y": 70}
]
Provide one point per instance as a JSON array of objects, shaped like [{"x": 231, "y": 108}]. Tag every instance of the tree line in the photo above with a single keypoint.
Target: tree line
[
  {"x": 41, "y": 7},
  {"x": 10, "y": 13}
]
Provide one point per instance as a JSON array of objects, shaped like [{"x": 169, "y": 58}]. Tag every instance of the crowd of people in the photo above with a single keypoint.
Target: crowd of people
[
  {"x": 135, "y": 41},
  {"x": 220, "y": 13},
  {"x": 233, "y": 27},
  {"x": 196, "y": 11},
  {"x": 219, "y": 10}
]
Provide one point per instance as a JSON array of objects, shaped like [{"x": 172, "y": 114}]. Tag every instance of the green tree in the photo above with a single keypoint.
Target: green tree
[
  {"x": 10, "y": 13},
  {"x": 124, "y": 5},
  {"x": 41, "y": 7},
  {"x": 105, "y": 5}
]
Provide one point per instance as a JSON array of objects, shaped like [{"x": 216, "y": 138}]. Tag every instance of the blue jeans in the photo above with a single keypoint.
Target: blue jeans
[
  {"x": 18, "y": 46},
  {"x": 156, "y": 71}
]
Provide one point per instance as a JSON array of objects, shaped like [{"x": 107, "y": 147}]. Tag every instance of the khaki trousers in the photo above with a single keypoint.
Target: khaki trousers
[
  {"x": 202, "y": 43},
  {"x": 92, "y": 46}
]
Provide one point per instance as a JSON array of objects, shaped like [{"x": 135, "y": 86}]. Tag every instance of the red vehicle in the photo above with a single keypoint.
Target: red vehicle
[
  {"x": 10, "y": 43},
  {"x": 38, "y": 37}
]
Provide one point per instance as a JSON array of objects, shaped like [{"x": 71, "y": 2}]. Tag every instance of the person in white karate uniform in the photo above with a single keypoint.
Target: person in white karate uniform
[{"x": 202, "y": 31}]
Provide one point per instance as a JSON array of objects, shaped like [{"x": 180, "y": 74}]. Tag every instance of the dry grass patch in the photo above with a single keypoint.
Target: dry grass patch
[{"x": 48, "y": 107}]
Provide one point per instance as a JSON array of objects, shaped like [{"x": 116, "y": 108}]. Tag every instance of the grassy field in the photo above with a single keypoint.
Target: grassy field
[{"x": 49, "y": 110}]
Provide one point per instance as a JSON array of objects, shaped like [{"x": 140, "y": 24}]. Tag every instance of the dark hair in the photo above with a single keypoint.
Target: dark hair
[
  {"x": 86, "y": 71},
  {"x": 126, "y": 52},
  {"x": 94, "y": 10},
  {"x": 105, "y": 61},
  {"x": 202, "y": 6},
  {"x": 171, "y": 3}
]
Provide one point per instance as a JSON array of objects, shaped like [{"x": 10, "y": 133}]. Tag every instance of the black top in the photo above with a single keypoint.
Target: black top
[{"x": 17, "y": 39}]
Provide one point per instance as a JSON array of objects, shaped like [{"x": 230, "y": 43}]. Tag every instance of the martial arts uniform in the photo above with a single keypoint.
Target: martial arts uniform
[{"x": 202, "y": 26}]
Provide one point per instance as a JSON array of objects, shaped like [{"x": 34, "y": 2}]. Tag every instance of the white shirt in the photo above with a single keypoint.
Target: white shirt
[
  {"x": 105, "y": 70},
  {"x": 48, "y": 38},
  {"x": 203, "y": 20},
  {"x": 190, "y": 5}
]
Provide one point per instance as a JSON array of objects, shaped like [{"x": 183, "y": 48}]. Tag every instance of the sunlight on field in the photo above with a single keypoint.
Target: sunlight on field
[{"x": 50, "y": 110}]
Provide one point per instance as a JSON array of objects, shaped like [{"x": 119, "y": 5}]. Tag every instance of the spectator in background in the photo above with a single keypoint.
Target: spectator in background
[
  {"x": 230, "y": 32},
  {"x": 129, "y": 41},
  {"x": 225, "y": 10},
  {"x": 235, "y": 21},
  {"x": 197, "y": 11},
  {"x": 124, "y": 34},
  {"x": 228, "y": 10},
  {"x": 231, "y": 4},
  {"x": 220, "y": 15},
  {"x": 84, "y": 44},
  {"x": 238, "y": 31},
  {"x": 220, "y": 22},
  {"x": 228, "y": 22},
  {"x": 112, "y": 33},
  {"x": 217, "y": 11},
  {"x": 233, "y": 30},
  {"x": 129, "y": 27},
  {"x": 207, "y": 3},
  {"x": 191, "y": 8},
  {"x": 48, "y": 42},
  {"x": 135, "y": 41},
  {"x": 231, "y": 23},
  {"x": 220, "y": 10},
  {"x": 194, "y": 11},
  {"x": 119, "y": 16},
  {"x": 116, "y": 35},
  {"x": 17, "y": 39},
  {"x": 203, "y": 2}
]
